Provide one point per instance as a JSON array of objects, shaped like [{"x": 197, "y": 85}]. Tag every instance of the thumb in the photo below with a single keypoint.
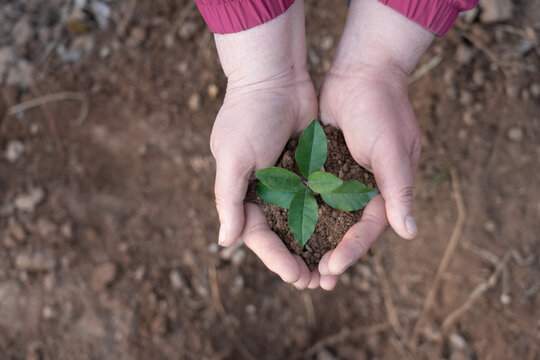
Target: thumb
[
  {"x": 394, "y": 175},
  {"x": 232, "y": 176}
]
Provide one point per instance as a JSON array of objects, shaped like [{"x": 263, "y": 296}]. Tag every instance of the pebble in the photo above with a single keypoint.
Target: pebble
[
  {"x": 457, "y": 341},
  {"x": 512, "y": 90},
  {"x": 515, "y": 133},
  {"x": 490, "y": 226},
  {"x": 136, "y": 36},
  {"x": 48, "y": 312},
  {"x": 213, "y": 91},
  {"x": 327, "y": 42},
  {"x": 479, "y": 77},
  {"x": 465, "y": 97},
  {"x": 251, "y": 309},
  {"x": 103, "y": 275},
  {"x": 45, "y": 227},
  {"x": 194, "y": 102},
  {"x": 66, "y": 230},
  {"x": 313, "y": 57},
  {"x": 138, "y": 275},
  {"x": 464, "y": 54},
  {"x": 188, "y": 30},
  {"x": 468, "y": 118},
  {"x": 17, "y": 232},
  {"x": 470, "y": 16},
  {"x": 325, "y": 355},
  {"x": 22, "y": 31},
  {"x": 176, "y": 279},
  {"x": 535, "y": 89},
  {"x": 28, "y": 202},
  {"x": 35, "y": 261},
  {"x": 495, "y": 10},
  {"x": 238, "y": 257}
]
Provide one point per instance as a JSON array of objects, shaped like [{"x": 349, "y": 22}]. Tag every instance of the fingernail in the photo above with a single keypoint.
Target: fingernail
[
  {"x": 222, "y": 235},
  {"x": 411, "y": 225}
]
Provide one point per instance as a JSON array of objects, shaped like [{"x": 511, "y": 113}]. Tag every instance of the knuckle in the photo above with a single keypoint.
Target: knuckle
[{"x": 405, "y": 194}]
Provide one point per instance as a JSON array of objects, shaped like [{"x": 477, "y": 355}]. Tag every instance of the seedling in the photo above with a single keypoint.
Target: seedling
[{"x": 287, "y": 190}]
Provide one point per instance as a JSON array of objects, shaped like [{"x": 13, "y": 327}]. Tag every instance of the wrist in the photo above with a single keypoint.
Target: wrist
[
  {"x": 273, "y": 52},
  {"x": 380, "y": 40}
]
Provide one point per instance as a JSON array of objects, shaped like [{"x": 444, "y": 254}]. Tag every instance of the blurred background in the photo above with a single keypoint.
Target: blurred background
[{"x": 107, "y": 223}]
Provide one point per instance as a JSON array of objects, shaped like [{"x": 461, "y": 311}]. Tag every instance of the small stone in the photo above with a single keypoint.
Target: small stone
[
  {"x": 177, "y": 282},
  {"x": 490, "y": 226},
  {"x": 524, "y": 46},
  {"x": 512, "y": 90},
  {"x": 325, "y": 355},
  {"x": 104, "y": 52},
  {"x": 327, "y": 42},
  {"x": 466, "y": 97},
  {"x": 66, "y": 230},
  {"x": 194, "y": 102},
  {"x": 505, "y": 299},
  {"x": 462, "y": 134},
  {"x": 22, "y": 31},
  {"x": 34, "y": 128},
  {"x": 169, "y": 41},
  {"x": 136, "y": 36},
  {"x": 228, "y": 252},
  {"x": 48, "y": 312},
  {"x": 138, "y": 275},
  {"x": 212, "y": 91},
  {"x": 45, "y": 227},
  {"x": 464, "y": 54},
  {"x": 495, "y": 10},
  {"x": 479, "y": 77},
  {"x": 525, "y": 94},
  {"x": 188, "y": 30},
  {"x": 535, "y": 89},
  {"x": 103, "y": 275},
  {"x": 313, "y": 57},
  {"x": 17, "y": 231},
  {"x": 35, "y": 261},
  {"x": 28, "y": 202},
  {"x": 14, "y": 150},
  {"x": 468, "y": 118},
  {"x": 213, "y": 248},
  {"x": 251, "y": 309},
  {"x": 515, "y": 134},
  {"x": 182, "y": 67},
  {"x": 238, "y": 257},
  {"x": 457, "y": 341}
]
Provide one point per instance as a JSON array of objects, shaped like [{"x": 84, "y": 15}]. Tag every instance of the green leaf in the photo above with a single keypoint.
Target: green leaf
[
  {"x": 323, "y": 182},
  {"x": 278, "y": 179},
  {"x": 303, "y": 215},
  {"x": 312, "y": 149},
  {"x": 352, "y": 195},
  {"x": 279, "y": 198}
]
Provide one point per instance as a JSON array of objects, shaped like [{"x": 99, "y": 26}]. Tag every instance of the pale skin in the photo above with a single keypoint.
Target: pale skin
[{"x": 270, "y": 98}]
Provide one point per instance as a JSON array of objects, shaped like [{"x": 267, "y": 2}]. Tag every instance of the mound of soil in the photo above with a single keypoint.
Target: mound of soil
[{"x": 333, "y": 223}]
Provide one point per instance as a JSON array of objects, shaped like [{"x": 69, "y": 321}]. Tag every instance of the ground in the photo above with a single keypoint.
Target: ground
[{"x": 107, "y": 222}]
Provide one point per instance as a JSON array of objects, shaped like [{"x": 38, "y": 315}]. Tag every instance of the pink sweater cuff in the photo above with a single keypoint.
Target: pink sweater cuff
[
  {"x": 230, "y": 16},
  {"x": 438, "y": 16}
]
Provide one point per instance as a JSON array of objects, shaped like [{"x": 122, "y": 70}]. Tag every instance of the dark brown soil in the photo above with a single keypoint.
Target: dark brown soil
[{"x": 333, "y": 223}]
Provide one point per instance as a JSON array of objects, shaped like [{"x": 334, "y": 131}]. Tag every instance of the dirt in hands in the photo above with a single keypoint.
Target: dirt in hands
[{"x": 332, "y": 223}]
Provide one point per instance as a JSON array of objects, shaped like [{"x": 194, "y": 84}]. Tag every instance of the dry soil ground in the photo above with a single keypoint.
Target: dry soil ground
[{"x": 107, "y": 222}]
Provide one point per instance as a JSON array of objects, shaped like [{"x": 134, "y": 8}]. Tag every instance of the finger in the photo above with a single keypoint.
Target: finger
[
  {"x": 323, "y": 263},
  {"x": 393, "y": 170},
  {"x": 328, "y": 282},
  {"x": 360, "y": 237},
  {"x": 267, "y": 245},
  {"x": 315, "y": 279},
  {"x": 232, "y": 176},
  {"x": 305, "y": 276}
]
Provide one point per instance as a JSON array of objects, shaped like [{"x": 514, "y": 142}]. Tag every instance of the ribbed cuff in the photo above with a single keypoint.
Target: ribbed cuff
[
  {"x": 230, "y": 16},
  {"x": 438, "y": 16}
]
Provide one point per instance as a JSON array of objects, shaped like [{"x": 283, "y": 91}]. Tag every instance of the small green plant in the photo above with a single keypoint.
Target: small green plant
[{"x": 287, "y": 190}]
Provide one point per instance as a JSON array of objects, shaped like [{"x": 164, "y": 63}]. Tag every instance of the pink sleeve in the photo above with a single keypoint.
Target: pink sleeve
[
  {"x": 438, "y": 16},
  {"x": 230, "y": 16}
]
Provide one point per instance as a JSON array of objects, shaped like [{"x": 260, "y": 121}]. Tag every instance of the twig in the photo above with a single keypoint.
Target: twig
[
  {"x": 343, "y": 335},
  {"x": 220, "y": 309},
  {"x": 425, "y": 68},
  {"x": 387, "y": 296},
  {"x": 485, "y": 286},
  {"x": 182, "y": 16},
  {"x": 494, "y": 58},
  {"x": 128, "y": 14},
  {"x": 59, "y": 96},
  {"x": 483, "y": 253},
  {"x": 310, "y": 309},
  {"x": 448, "y": 254}
]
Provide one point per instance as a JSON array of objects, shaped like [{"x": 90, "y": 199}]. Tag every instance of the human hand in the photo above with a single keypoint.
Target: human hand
[
  {"x": 365, "y": 95},
  {"x": 269, "y": 99}
]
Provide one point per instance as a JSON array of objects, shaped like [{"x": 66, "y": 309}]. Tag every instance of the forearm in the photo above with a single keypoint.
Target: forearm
[
  {"x": 269, "y": 52},
  {"x": 379, "y": 38}
]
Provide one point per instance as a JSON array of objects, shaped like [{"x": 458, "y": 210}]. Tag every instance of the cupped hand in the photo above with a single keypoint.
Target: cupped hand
[{"x": 250, "y": 132}]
